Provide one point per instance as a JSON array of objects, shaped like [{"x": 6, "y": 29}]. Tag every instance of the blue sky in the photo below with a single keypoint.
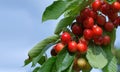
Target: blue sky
[{"x": 20, "y": 29}]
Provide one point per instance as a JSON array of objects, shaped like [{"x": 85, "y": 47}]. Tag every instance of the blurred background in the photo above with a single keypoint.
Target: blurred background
[{"x": 21, "y": 28}]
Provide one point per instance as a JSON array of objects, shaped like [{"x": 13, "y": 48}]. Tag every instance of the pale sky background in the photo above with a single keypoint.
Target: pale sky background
[{"x": 20, "y": 29}]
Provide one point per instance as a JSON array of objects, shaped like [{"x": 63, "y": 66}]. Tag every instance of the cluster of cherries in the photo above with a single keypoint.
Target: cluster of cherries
[{"x": 90, "y": 26}]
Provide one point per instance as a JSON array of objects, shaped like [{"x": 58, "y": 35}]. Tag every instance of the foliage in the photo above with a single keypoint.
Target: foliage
[{"x": 97, "y": 56}]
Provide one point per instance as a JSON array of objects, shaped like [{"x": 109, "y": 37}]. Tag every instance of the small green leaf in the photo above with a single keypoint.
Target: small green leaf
[
  {"x": 96, "y": 57},
  {"x": 56, "y": 9},
  {"x": 110, "y": 1},
  {"x": 36, "y": 69},
  {"x": 41, "y": 45},
  {"x": 112, "y": 66},
  {"x": 63, "y": 23},
  {"x": 63, "y": 61},
  {"x": 75, "y": 9},
  {"x": 47, "y": 66},
  {"x": 38, "y": 58},
  {"x": 42, "y": 60},
  {"x": 27, "y": 61},
  {"x": 69, "y": 69}
]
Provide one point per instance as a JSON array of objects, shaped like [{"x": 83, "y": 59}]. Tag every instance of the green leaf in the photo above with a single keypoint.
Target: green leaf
[
  {"x": 39, "y": 57},
  {"x": 96, "y": 57},
  {"x": 108, "y": 50},
  {"x": 75, "y": 9},
  {"x": 69, "y": 69},
  {"x": 112, "y": 66},
  {"x": 110, "y": 1},
  {"x": 47, "y": 66},
  {"x": 36, "y": 69},
  {"x": 63, "y": 61},
  {"x": 42, "y": 60},
  {"x": 63, "y": 23},
  {"x": 56, "y": 9},
  {"x": 27, "y": 61},
  {"x": 35, "y": 51}
]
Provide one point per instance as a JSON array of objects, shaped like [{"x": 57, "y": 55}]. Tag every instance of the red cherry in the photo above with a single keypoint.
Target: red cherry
[
  {"x": 101, "y": 20},
  {"x": 98, "y": 40},
  {"x": 116, "y": 5},
  {"x": 82, "y": 47},
  {"x": 72, "y": 46},
  {"x": 88, "y": 23},
  {"x": 65, "y": 38},
  {"x": 79, "y": 19},
  {"x": 58, "y": 47},
  {"x": 83, "y": 40},
  {"x": 97, "y": 31},
  {"x": 96, "y": 5},
  {"x": 53, "y": 53},
  {"x": 76, "y": 29},
  {"x": 105, "y": 8},
  {"x": 116, "y": 21},
  {"x": 88, "y": 34},
  {"x": 92, "y": 14},
  {"x": 106, "y": 40},
  {"x": 109, "y": 26},
  {"x": 112, "y": 16}
]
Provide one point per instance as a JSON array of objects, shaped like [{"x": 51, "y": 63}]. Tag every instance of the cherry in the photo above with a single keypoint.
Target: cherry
[
  {"x": 112, "y": 16},
  {"x": 116, "y": 21},
  {"x": 101, "y": 20},
  {"x": 81, "y": 63},
  {"x": 85, "y": 12},
  {"x": 53, "y": 53},
  {"x": 97, "y": 31},
  {"x": 98, "y": 40},
  {"x": 92, "y": 14},
  {"x": 72, "y": 46},
  {"x": 96, "y": 5},
  {"x": 88, "y": 34},
  {"x": 116, "y": 5},
  {"x": 109, "y": 26},
  {"x": 82, "y": 47},
  {"x": 106, "y": 40},
  {"x": 88, "y": 22},
  {"x": 58, "y": 47},
  {"x": 79, "y": 19},
  {"x": 83, "y": 40},
  {"x": 65, "y": 38},
  {"x": 105, "y": 8},
  {"x": 76, "y": 29}
]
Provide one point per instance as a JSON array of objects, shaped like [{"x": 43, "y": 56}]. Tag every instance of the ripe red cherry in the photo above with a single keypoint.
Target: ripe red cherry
[
  {"x": 106, "y": 40},
  {"x": 85, "y": 12},
  {"x": 88, "y": 34},
  {"x": 92, "y": 14},
  {"x": 76, "y": 29},
  {"x": 79, "y": 19},
  {"x": 101, "y": 20},
  {"x": 88, "y": 22},
  {"x": 58, "y": 47},
  {"x": 98, "y": 40},
  {"x": 83, "y": 40},
  {"x": 65, "y": 38},
  {"x": 72, "y": 46},
  {"x": 116, "y": 21},
  {"x": 105, "y": 8},
  {"x": 96, "y": 5},
  {"x": 97, "y": 31},
  {"x": 82, "y": 47},
  {"x": 109, "y": 26},
  {"x": 116, "y": 5}
]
